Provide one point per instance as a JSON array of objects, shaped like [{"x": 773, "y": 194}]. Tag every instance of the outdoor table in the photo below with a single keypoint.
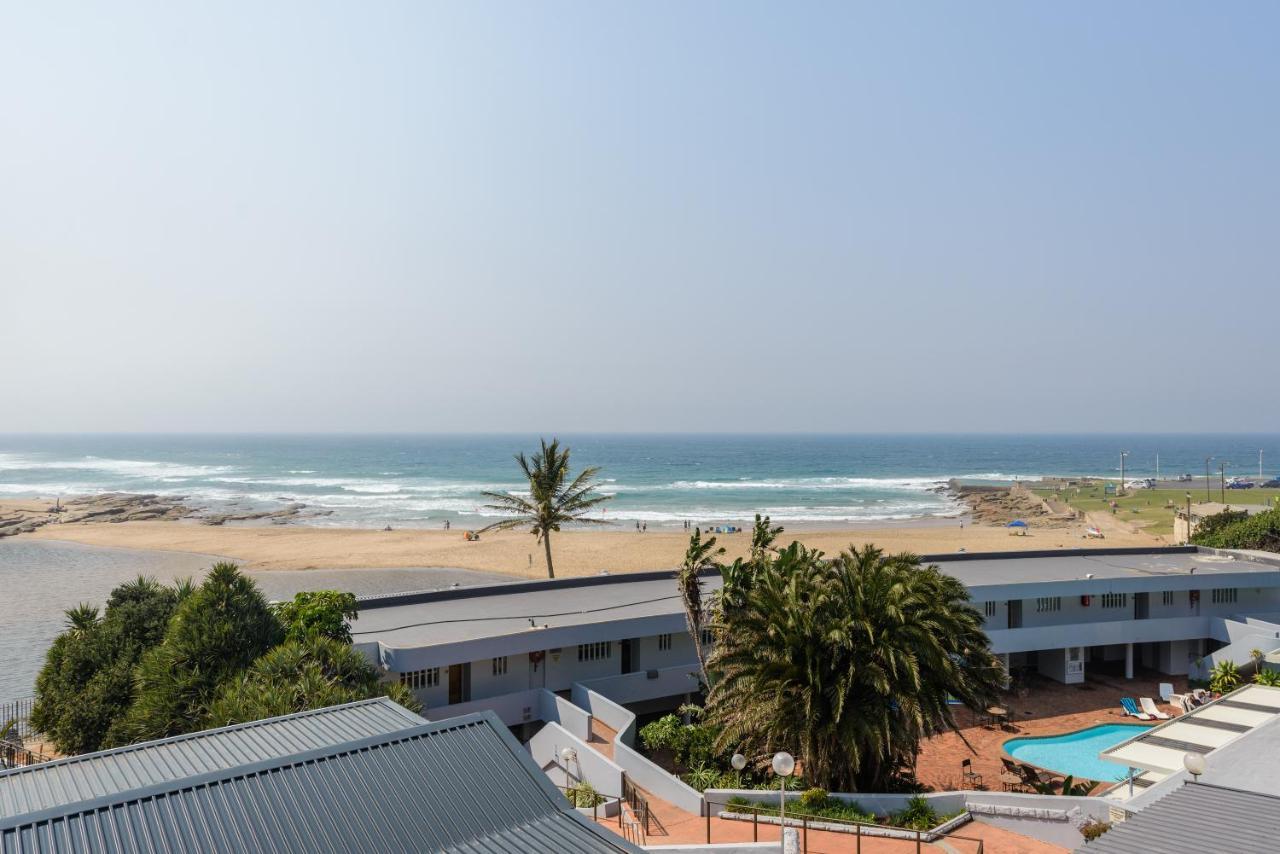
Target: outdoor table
[{"x": 998, "y": 714}]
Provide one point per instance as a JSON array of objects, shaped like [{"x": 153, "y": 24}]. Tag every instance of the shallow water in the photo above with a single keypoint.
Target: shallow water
[{"x": 40, "y": 580}]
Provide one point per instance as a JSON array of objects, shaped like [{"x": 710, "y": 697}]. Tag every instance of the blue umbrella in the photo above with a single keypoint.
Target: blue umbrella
[{"x": 1016, "y": 523}]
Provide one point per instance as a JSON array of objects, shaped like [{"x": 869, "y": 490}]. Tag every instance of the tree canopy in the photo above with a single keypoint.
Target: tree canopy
[
  {"x": 309, "y": 673},
  {"x": 848, "y": 663},
  {"x": 215, "y": 633},
  {"x": 1235, "y": 530},
  {"x": 554, "y": 498},
  {"x": 86, "y": 683},
  {"x": 318, "y": 613}
]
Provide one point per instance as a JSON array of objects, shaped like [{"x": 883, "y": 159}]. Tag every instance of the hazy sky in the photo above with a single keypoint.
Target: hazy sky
[{"x": 650, "y": 216}]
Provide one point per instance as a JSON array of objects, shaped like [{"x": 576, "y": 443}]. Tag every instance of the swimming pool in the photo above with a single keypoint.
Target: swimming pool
[{"x": 1076, "y": 753}]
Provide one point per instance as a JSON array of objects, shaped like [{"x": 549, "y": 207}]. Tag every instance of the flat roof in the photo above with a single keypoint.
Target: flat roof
[
  {"x": 1103, "y": 564},
  {"x": 516, "y": 611},
  {"x": 1238, "y": 735},
  {"x": 474, "y": 613}
]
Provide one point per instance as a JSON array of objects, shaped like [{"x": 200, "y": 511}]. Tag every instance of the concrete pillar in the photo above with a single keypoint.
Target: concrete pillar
[
  {"x": 790, "y": 841},
  {"x": 1128, "y": 661}
]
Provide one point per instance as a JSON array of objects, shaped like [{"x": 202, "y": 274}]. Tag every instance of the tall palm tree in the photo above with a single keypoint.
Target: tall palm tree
[
  {"x": 849, "y": 663},
  {"x": 700, "y": 555},
  {"x": 554, "y": 499}
]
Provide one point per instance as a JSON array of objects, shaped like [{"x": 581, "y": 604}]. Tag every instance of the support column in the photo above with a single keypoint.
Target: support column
[{"x": 1128, "y": 661}]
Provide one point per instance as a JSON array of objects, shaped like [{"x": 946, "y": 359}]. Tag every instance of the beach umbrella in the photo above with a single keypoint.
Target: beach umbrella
[{"x": 1016, "y": 523}]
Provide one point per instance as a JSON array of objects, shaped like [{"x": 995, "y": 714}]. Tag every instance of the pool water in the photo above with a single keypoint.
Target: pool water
[{"x": 1076, "y": 753}]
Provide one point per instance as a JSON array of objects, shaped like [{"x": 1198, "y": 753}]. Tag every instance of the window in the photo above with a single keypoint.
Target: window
[
  {"x": 595, "y": 651},
  {"x": 500, "y": 666},
  {"x": 416, "y": 680},
  {"x": 1115, "y": 600},
  {"x": 990, "y": 608},
  {"x": 1224, "y": 595},
  {"x": 707, "y": 637},
  {"x": 1045, "y": 604},
  {"x": 1167, "y": 597},
  {"x": 664, "y": 642}
]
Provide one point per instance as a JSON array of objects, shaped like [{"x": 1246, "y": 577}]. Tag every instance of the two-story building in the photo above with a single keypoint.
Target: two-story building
[{"x": 1172, "y": 610}]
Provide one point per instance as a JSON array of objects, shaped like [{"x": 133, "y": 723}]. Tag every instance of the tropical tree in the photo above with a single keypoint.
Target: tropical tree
[
  {"x": 554, "y": 498},
  {"x": 763, "y": 534},
  {"x": 298, "y": 675},
  {"x": 318, "y": 613},
  {"x": 701, "y": 555},
  {"x": 86, "y": 683},
  {"x": 215, "y": 633},
  {"x": 849, "y": 663}
]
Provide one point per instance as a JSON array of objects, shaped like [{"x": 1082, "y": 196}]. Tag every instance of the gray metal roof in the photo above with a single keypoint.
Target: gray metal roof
[
  {"x": 37, "y": 787},
  {"x": 1195, "y": 819},
  {"x": 462, "y": 785},
  {"x": 979, "y": 570}
]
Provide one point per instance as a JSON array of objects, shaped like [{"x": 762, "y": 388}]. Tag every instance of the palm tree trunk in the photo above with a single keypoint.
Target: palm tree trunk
[
  {"x": 695, "y": 632},
  {"x": 546, "y": 544}
]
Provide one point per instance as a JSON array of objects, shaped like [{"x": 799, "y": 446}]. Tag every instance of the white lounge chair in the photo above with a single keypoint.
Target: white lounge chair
[
  {"x": 1166, "y": 692},
  {"x": 1149, "y": 706}
]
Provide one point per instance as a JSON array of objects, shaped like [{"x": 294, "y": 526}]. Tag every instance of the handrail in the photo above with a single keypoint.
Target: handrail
[{"x": 802, "y": 821}]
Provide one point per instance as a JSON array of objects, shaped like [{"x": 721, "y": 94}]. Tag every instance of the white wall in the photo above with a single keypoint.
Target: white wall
[
  {"x": 517, "y": 678},
  {"x": 562, "y": 673},
  {"x": 591, "y": 766},
  {"x": 649, "y": 657}
]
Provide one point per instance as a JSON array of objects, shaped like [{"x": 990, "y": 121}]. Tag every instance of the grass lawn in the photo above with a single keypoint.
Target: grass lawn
[{"x": 1153, "y": 509}]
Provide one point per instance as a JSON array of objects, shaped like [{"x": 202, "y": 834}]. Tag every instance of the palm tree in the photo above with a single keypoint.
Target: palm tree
[
  {"x": 848, "y": 663},
  {"x": 700, "y": 555},
  {"x": 551, "y": 503}
]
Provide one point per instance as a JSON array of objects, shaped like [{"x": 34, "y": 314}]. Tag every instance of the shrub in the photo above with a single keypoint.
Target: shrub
[
  {"x": 737, "y": 804},
  {"x": 1224, "y": 677},
  {"x": 584, "y": 795},
  {"x": 1260, "y": 531},
  {"x": 919, "y": 815},
  {"x": 814, "y": 799},
  {"x": 322, "y": 613},
  {"x": 1268, "y": 677},
  {"x": 1093, "y": 829}
]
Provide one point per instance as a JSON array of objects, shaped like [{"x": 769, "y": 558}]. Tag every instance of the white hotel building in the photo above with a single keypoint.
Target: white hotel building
[{"x": 1173, "y": 610}]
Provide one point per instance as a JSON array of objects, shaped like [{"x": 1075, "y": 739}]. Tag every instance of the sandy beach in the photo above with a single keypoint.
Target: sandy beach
[{"x": 580, "y": 552}]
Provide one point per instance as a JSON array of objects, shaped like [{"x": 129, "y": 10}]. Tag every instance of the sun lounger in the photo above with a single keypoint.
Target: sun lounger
[
  {"x": 1149, "y": 706},
  {"x": 1166, "y": 691},
  {"x": 1131, "y": 708}
]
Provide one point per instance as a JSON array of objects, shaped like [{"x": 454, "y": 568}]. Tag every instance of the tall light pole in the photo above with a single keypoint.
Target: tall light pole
[
  {"x": 1207, "y": 495},
  {"x": 1188, "y": 542},
  {"x": 783, "y": 764},
  {"x": 1222, "y": 477},
  {"x": 1120, "y": 492}
]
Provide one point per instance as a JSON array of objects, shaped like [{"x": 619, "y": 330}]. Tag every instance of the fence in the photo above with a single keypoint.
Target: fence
[
  {"x": 18, "y": 711},
  {"x": 831, "y": 835}
]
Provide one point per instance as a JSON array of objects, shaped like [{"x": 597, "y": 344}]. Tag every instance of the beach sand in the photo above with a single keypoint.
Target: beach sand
[{"x": 576, "y": 552}]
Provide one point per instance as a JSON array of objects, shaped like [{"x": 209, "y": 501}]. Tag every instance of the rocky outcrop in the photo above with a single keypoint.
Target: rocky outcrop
[
  {"x": 276, "y": 517},
  {"x": 1000, "y": 505},
  {"x": 107, "y": 507}
]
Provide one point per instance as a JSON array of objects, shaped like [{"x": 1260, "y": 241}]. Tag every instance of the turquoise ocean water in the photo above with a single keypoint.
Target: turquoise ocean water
[{"x": 661, "y": 480}]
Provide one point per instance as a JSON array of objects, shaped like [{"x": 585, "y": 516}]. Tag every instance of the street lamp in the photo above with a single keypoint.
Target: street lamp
[
  {"x": 783, "y": 765},
  {"x": 1123, "y": 454},
  {"x": 567, "y": 757},
  {"x": 1222, "y": 477},
  {"x": 1194, "y": 763},
  {"x": 1207, "y": 495},
  {"x": 738, "y": 762}
]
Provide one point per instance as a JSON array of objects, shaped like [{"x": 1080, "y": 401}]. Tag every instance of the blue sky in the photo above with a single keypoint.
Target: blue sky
[{"x": 659, "y": 216}]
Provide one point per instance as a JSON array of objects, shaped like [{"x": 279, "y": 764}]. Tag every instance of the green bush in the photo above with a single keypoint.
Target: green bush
[
  {"x": 1260, "y": 531},
  {"x": 584, "y": 795},
  {"x": 919, "y": 815},
  {"x": 814, "y": 799},
  {"x": 1224, "y": 677},
  {"x": 1268, "y": 677},
  {"x": 691, "y": 744}
]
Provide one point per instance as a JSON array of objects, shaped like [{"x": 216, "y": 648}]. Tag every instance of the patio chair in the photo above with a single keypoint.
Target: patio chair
[
  {"x": 1149, "y": 706},
  {"x": 1131, "y": 708},
  {"x": 968, "y": 774},
  {"x": 1166, "y": 691},
  {"x": 1030, "y": 776}
]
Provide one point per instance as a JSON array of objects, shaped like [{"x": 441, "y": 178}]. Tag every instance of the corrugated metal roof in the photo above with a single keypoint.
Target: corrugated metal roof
[
  {"x": 461, "y": 785},
  {"x": 92, "y": 775},
  {"x": 1196, "y": 819}
]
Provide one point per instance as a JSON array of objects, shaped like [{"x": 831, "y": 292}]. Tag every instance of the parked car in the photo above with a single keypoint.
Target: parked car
[
  {"x": 1239, "y": 483},
  {"x": 1184, "y": 478},
  {"x": 1274, "y": 483}
]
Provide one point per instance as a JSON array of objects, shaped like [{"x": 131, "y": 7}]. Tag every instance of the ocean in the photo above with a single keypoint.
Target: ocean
[{"x": 662, "y": 480}]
